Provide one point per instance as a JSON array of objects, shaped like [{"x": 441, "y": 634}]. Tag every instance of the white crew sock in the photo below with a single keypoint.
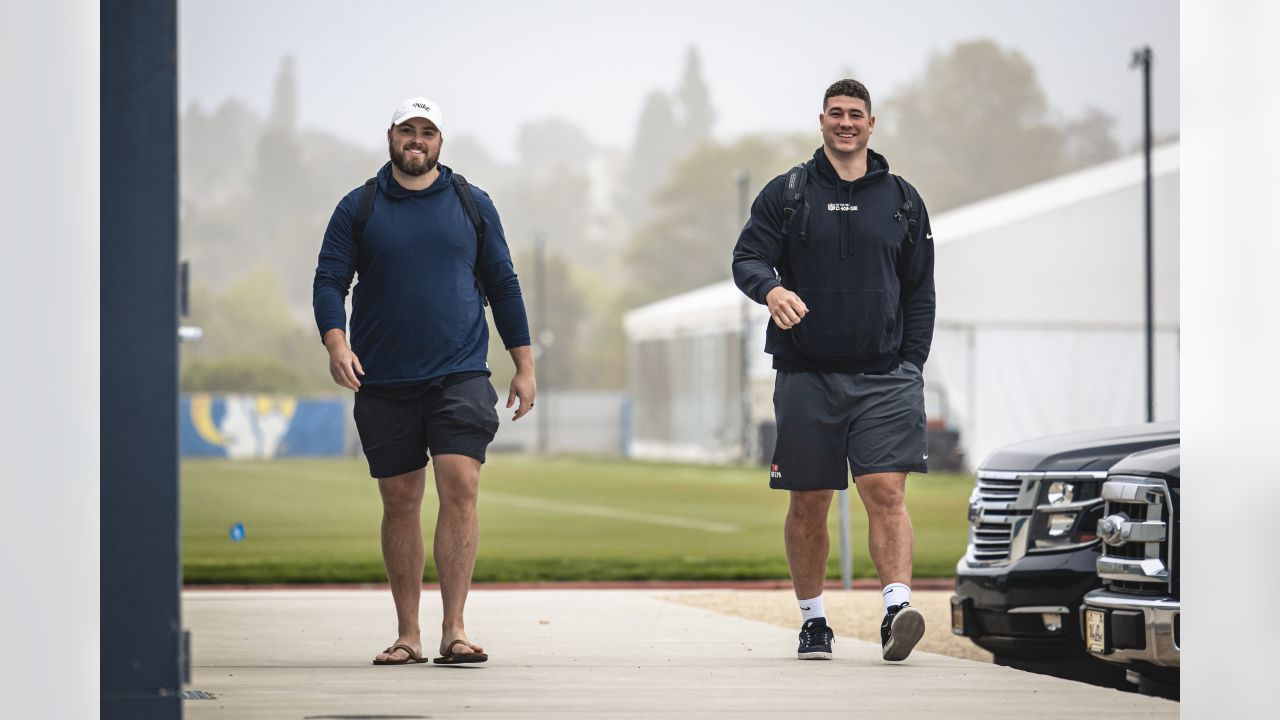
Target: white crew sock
[
  {"x": 896, "y": 594},
  {"x": 812, "y": 608}
]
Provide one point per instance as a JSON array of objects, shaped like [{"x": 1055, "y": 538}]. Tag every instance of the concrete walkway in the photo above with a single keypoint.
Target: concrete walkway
[{"x": 587, "y": 654}]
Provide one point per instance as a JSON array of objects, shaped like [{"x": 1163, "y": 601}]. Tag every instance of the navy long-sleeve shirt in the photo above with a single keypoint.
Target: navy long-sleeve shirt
[{"x": 416, "y": 312}]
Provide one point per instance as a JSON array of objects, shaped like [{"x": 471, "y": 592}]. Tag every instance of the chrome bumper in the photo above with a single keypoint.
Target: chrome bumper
[{"x": 1159, "y": 617}]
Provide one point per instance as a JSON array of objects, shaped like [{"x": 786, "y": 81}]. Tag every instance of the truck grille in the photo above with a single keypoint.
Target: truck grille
[
  {"x": 993, "y": 517},
  {"x": 1139, "y": 561},
  {"x": 999, "y": 489}
]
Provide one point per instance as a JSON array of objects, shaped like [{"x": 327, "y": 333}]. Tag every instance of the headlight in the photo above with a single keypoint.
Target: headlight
[
  {"x": 1061, "y": 492},
  {"x": 1066, "y": 515}
]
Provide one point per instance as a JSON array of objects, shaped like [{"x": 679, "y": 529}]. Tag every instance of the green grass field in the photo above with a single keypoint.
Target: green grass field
[{"x": 541, "y": 519}]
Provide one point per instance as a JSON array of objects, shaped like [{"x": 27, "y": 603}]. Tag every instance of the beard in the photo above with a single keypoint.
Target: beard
[{"x": 412, "y": 165}]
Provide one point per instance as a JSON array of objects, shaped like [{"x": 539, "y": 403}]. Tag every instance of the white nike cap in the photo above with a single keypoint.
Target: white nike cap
[{"x": 419, "y": 107}]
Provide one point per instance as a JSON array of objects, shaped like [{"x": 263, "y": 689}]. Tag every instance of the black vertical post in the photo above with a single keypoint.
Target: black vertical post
[
  {"x": 141, "y": 637},
  {"x": 1142, "y": 59},
  {"x": 542, "y": 337}
]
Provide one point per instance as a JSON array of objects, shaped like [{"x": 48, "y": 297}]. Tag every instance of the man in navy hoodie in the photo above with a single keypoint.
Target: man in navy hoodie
[
  {"x": 852, "y": 307},
  {"x": 417, "y": 359}
]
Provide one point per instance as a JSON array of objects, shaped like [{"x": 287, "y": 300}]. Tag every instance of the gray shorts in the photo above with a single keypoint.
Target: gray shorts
[{"x": 872, "y": 423}]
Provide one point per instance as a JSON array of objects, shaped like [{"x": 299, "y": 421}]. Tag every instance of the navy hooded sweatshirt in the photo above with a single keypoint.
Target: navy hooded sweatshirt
[
  {"x": 865, "y": 275},
  {"x": 416, "y": 312}
]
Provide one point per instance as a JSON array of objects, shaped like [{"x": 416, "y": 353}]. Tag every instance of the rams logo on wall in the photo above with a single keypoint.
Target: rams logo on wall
[{"x": 261, "y": 426}]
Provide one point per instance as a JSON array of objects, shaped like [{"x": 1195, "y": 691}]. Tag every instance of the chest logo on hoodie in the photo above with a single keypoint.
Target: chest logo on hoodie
[{"x": 838, "y": 207}]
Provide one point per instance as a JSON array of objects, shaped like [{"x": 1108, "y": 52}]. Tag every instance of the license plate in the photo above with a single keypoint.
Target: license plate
[
  {"x": 1096, "y": 630},
  {"x": 957, "y": 618}
]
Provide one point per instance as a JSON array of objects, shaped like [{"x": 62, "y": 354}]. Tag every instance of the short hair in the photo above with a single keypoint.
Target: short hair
[{"x": 850, "y": 88}]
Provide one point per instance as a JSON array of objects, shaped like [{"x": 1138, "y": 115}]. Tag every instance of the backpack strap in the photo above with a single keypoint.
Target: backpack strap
[
  {"x": 793, "y": 199},
  {"x": 363, "y": 211},
  {"x": 463, "y": 188},
  {"x": 909, "y": 210}
]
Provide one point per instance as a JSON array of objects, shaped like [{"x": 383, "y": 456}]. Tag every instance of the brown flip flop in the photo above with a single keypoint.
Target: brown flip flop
[
  {"x": 452, "y": 658},
  {"x": 413, "y": 656}
]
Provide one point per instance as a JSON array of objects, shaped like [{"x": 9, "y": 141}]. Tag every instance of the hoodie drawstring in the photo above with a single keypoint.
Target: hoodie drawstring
[{"x": 845, "y": 231}]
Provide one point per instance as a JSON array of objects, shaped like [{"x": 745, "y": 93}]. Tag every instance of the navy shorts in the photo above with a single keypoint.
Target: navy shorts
[
  {"x": 828, "y": 422},
  {"x": 402, "y": 426}
]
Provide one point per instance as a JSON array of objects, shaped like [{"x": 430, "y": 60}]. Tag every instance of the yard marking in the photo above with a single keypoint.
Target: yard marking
[{"x": 608, "y": 512}]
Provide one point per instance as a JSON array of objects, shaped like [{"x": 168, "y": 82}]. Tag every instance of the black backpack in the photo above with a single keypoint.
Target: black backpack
[
  {"x": 793, "y": 199},
  {"x": 460, "y": 185}
]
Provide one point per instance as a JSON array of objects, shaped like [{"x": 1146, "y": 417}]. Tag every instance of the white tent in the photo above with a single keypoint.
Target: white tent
[
  {"x": 686, "y": 375},
  {"x": 1039, "y": 325}
]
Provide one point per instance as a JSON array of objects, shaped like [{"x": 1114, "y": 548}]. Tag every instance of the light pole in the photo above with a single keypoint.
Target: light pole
[
  {"x": 542, "y": 338},
  {"x": 744, "y": 180},
  {"x": 1142, "y": 59}
]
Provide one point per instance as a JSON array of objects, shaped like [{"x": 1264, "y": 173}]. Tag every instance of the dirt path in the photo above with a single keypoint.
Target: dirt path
[{"x": 855, "y": 613}]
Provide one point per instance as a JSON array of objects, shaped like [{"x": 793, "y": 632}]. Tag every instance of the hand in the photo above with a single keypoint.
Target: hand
[
  {"x": 525, "y": 387},
  {"x": 785, "y": 307},
  {"x": 343, "y": 364}
]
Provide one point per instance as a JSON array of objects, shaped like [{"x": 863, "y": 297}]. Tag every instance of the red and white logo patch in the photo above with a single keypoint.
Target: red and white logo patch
[{"x": 774, "y": 472}]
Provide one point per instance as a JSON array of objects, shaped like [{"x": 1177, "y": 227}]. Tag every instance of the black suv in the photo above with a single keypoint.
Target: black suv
[
  {"x": 1135, "y": 619},
  {"x": 1033, "y": 549}
]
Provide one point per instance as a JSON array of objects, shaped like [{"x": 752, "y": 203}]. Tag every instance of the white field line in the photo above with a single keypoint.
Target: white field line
[{"x": 608, "y": 512}]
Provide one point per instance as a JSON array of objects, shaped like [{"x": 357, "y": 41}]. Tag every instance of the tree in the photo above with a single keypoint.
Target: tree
[
  {"x": 667, "y": 131},
  {"x": 695, "y": 103},
  {"x": 1089, "y": 139},
  {"x": 977, "y": 124},
  {"x": 547, "y": 194},
  {"x": 553, "y": 142},
  {"x": 251, "y": 340},
  {"x": 566, "y": 310},
  {"x": 974, "y": 125},
  {"x": 696, "y": 218},
  {"x": 656, "y": 147},
  {"x": 464, "y": 154}
]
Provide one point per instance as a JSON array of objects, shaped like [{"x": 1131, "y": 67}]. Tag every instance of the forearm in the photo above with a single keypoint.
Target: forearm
[
  {"x": 334, "y": 338},
  {"x": 509, "y": 315},
  {"x": 328, "y": 303},
  {"x": 753, "y": 276},
  {"x": 919, "y": 302},
  {"x": 522, "y": 357},
  {"x": 335, "y": 269},
  {"x": 917, "y": 331},
  {"x": 759, "y": 249}
]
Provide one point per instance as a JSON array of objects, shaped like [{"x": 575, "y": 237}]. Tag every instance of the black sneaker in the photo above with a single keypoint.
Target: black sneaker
[
  {"x": 815, "y": 640},
  {"x": 902, "y": 628}
]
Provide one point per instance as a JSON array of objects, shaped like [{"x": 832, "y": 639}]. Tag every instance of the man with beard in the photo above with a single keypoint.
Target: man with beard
[
  {"x": 428, "y": 249},
  {"x": 852, "y": 307}
]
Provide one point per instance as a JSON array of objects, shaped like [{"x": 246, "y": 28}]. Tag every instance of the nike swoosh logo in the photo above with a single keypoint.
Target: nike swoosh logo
[
  {"x": 926, "y": 456},
  {"x": 804, "y": 608},
  {"x": 929, "y": 236}
]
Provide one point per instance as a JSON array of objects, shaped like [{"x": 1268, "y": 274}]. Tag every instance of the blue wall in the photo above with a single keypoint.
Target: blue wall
[{"x": 262, "y": 426}]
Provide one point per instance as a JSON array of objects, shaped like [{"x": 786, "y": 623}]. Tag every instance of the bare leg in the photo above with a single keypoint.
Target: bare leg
[
  {"x": 403, "y": 553},
  {"x": 457, "y": 535},
  {"x": 889, "y": 533},
  {"x": 808, "y": 544}
]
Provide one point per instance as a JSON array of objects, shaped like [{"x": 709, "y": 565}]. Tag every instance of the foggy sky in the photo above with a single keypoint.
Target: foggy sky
[{"x": 493, "y": 65}]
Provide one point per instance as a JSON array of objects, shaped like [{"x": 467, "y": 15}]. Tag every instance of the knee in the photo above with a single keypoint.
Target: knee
[
  {"x": 810, "y": 506},
  {"x": 458, "y": 494},
  {"x": 402, "y": 504},
  {"x": 884, "y": 498},
  {"x": 401, "y": 498}
]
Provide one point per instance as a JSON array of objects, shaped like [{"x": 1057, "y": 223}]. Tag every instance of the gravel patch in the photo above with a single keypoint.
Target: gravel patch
[{"x": 854, "y": 613}]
